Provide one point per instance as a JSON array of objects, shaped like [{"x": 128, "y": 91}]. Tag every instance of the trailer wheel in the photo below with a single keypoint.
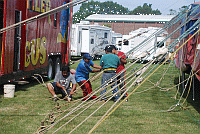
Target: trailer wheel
[
  {"x": 50, "y": 69},
  {"x": 57, "y": 65}
]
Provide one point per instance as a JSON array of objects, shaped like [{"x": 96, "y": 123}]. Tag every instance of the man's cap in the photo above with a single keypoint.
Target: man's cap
[
  {"x": 87, "y": 56},
  {"x": 114, "y": 47},
  {"x": 109, "y": 48}
]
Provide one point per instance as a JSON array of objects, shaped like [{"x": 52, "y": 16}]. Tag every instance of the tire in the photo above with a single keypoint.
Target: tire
[
  {"x": 50, "y": 73},
  {"x": 57, "y": 65}
]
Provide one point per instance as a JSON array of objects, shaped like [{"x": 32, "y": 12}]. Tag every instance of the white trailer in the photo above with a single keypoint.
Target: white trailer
[
  {"x": 116, "y": 39},
  {"x": 86, "y": 38},
  {"x": 151, "y": 47}
]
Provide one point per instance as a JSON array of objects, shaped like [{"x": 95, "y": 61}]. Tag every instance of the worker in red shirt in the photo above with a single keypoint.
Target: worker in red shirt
[{"x": 121, "y": 67}]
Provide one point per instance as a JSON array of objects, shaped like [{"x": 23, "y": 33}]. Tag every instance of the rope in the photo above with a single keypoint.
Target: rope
[
  {"x": 196, "y": 53},
  {"x": 109, "y": 99},
  {"x": 94, "y": 93},
  {"x": 140, "y": 85},
  {"x": 43, "y": 84},
  {"x": 42, "y": 15},
  {"x": 138, "y": 77}
]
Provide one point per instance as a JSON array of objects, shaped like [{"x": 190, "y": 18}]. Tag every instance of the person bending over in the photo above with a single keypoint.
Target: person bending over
[
  {"x": 82, "y": 74},
  {"x": 61, "y": 84}
]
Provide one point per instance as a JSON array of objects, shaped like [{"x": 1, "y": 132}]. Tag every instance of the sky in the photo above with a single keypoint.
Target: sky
[{"x": 163, "y": 5}]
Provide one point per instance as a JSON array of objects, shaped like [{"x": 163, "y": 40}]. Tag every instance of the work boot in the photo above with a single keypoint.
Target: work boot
[{"x": 124, "y": 97}]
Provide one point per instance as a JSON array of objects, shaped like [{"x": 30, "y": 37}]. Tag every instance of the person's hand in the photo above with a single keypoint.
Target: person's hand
[
  {"x": 63, "y": 88},
  {"x": 71, "y": 93}
]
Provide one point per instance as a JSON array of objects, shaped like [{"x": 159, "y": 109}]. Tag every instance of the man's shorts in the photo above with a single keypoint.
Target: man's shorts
[{"x": 59, "y": 90}]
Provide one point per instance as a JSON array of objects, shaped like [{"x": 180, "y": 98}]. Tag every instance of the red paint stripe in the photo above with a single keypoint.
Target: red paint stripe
[{"x": 4, "y": 36}]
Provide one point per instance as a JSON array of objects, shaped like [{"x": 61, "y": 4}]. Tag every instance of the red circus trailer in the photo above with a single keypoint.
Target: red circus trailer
[
  {"x": 188, "y": 57},
  {"x": 34, "y": 47}
]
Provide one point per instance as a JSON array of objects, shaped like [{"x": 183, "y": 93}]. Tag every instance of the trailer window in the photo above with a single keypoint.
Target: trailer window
[
  {"x": 55, "y": 20},
  {"x": 125, "y": 42},
  {"x": 105, "y": 35},
  {"x": 92, "y": 41},
  {"x": 160, "y": 45},
  {"x": 106, "y": 42},
  {"x": 120, "y": 43}
]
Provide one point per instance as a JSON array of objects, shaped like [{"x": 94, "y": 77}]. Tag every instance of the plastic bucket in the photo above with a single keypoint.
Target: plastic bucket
[{"x": 9, "y": 90}]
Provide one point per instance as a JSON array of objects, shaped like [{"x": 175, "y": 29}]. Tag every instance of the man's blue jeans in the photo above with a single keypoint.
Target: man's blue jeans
[{"x": 104, "y": 83}]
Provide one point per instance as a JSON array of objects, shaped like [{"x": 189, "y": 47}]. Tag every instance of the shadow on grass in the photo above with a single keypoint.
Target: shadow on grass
[
  {"x": 194, "y": 93},
  {"x": 23, "y": 87}
]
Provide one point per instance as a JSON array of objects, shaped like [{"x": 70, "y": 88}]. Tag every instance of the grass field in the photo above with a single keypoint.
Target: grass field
[{"x": 145, "y": 111}]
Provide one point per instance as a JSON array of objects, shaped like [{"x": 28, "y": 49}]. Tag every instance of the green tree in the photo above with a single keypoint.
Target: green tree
[
  {"x": 172, "y": 12},
  {"x": 145, "y": 9},
  {"x": 113, "y": 8},
  {"x": 95, "y": 7},
  {"x": 183, "y": 8}
]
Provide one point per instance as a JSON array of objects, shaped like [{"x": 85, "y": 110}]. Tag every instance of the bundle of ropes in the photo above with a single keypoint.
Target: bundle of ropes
[{"x": 134, "y": 78}]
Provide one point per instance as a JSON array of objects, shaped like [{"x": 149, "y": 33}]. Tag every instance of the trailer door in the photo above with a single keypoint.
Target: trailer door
[
  {"x": 125, "y": 44},
  {"x": 85, "y": 41},
  {"x": 17, "y": 42}
]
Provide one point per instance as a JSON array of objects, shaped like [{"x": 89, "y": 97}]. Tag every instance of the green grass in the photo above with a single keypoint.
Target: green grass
[{"x": 143, "y": 113}]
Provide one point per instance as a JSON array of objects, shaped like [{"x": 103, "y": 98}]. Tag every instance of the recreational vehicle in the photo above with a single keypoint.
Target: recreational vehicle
[
  {"x": 133, "y": 42},
  {"x": 116, "y": 38},
  {"x": 86, "y": 38}
]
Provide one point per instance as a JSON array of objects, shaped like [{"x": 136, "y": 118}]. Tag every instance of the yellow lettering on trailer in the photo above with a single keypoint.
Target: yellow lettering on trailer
[
  {"x": 43, "y": 6},
  {"x": 37, "y": 7},
  {"x": 35, "y": 51},
  {"x": 43, "y": 50},
  {"x": 40, "y": 6},
  {"x": 28, "y": 4},
  {"x": 48, "y": 7},
  {"x": 27, "y": 56},
  {"x": 61, "y": 39}
]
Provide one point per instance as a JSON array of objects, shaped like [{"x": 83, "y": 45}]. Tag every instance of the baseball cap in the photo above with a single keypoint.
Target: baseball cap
[
  {"x": 109, "y": 48},
  {"x": 87, "y": 56},
  {"x": 114, "y": 47}
]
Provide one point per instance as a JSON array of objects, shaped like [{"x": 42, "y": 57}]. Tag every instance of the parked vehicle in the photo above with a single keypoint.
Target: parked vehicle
[
  {"x": 116, "y": 39},
  {"x": 39, "y": 46},
  {"x": 132, "y": 42},
  {"x": 86, "y": 38}
]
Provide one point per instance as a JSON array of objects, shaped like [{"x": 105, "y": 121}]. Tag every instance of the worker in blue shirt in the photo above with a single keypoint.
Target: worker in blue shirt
[{"x": 82, "y": 74}]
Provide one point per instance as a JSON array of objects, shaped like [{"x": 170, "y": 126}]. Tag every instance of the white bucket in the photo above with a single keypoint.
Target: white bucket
[{"x": 9, "y": 90}]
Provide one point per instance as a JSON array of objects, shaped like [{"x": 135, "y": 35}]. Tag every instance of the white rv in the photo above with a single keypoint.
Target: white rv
[
  {"x": 116, "y": 39},
  {"x": 137, "y": 38},
  {"x": 86, "y": 38}
]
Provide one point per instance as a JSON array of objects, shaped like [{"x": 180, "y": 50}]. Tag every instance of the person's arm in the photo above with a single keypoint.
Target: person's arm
[
  {"x": 73, "y": 89},
  {"x": 96, "y": 70},
  {"x": 96, "y": 66},
  {"x": 58, "y": 85}
]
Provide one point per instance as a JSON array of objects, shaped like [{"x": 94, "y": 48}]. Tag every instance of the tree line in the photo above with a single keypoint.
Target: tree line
[{"x": 109, "y": 7}]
